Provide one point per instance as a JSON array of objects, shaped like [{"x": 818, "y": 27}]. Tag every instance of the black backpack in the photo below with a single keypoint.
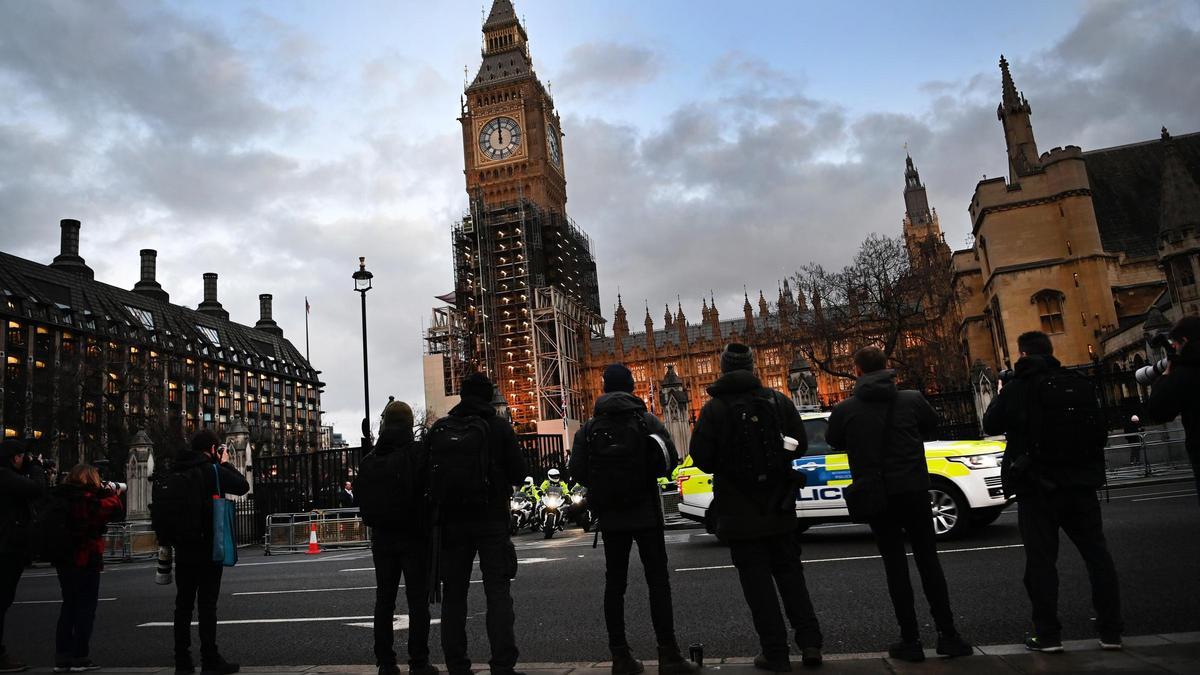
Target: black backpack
[
  {"x": 387, "y": 487},
  {"x": 1066, "y": 423},
  {"x": 177, "y": 506},
  {"x": 754, "y": 448},
  {"x": 53, "y": 539},
  {"x": 618, "y": 470},
  {"x": 459, "y": 471}
]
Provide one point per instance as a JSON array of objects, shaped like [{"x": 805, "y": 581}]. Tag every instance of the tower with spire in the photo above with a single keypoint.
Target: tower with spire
[
  {"x": 922, "y": 233},
  {"x": 1014, "y": 113}
]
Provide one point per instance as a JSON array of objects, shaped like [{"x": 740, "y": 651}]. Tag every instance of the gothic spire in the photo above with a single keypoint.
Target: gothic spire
[
  {"x": 667, "y": 318},
  {"x": 1180, "y": 201},
  {"x": 649, "y": 322},
  {"x": 501, "y": 16},
  {"x": 1011, "y": 98}
]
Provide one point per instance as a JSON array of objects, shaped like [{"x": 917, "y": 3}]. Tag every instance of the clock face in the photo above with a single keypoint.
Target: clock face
[
  {"x": 555, "y": 149},
  {"x": 500, "y": 138}
]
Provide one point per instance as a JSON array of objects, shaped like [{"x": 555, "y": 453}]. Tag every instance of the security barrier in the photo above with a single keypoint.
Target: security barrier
[
  {"x": 1146, "y": 453},
  {"x": 336, "y": 528},
  {"x": 130, "y": 540}
]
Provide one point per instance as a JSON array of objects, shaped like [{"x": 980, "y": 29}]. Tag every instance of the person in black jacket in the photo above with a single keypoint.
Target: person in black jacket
[
  {"x": 859, "y": 426},
  {"x": 197, "y": 577},
  {"x": 1177, "y": 392},
  {"x": 468, "y": 531},
  {"x": 400, "y": 545},
  {"x": 1051, "y": 496},
  {"x": 641, "y": 522},
  {"x": 760, "y": 527},
  {"x": 22, "y": 482}
]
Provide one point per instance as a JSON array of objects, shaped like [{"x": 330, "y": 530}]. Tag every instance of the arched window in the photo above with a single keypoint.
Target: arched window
[{"x": 1050, "y": 309}]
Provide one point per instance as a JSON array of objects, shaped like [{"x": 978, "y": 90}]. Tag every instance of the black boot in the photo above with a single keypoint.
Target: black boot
[
  {"x": 907, "y": 651},
  {"x": 951, "y": 644},
  {"x": 776, "y": 665},
  {"x": 623, "y": 662},
  {"x": 671, "y": 662}
]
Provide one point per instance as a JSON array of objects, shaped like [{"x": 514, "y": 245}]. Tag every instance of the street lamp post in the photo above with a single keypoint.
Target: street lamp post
[{"x": 362, "y": 284}]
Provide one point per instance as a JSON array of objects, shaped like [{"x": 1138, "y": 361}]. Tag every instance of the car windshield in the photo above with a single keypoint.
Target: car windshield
[{"x": 815, "y": 430}]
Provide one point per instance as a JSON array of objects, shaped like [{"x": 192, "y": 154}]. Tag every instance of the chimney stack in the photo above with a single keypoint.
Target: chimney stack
[
  {"x": 211, "y": 306},
  {"x": 68, "y": 259},
  {"x": 148, "y": 285},
  {"x": 265, "y": 322}
]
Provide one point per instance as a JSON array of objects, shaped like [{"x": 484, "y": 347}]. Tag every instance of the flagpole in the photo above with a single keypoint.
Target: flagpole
[{"x": 306, "y": 357}]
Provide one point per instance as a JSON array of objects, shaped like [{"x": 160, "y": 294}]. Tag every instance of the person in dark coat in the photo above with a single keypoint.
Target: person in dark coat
[
  {"x": 1177, "y": 392},
  {"x": 470, "y": 531},
  {"x": 91, "y": 506},
  {"x": 857, "y": 427},
  {"x": 197, "y": 577},
  {"x": 346, "y": 498},
  {"x": 641, "y": 522},
  {"x": 22, "y": 482},
  {"x": 1052, "y": 497},
  {"x": 759, "y": 527},
  {"x": 400, "y": 547}
]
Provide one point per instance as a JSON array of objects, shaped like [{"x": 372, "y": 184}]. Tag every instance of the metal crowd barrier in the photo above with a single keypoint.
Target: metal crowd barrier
[
  {"x": 336, "y": 528},
  {"x": 129, "y": 540},
  {"x": 1146, "y": 453}
]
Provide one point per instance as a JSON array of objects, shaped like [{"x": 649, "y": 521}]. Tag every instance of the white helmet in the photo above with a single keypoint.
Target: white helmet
[
  {"x": 529, "y": 480},
  {"x": 553, "y": 475}
]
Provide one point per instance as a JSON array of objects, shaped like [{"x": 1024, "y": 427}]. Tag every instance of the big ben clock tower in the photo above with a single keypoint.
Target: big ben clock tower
[
  {"x": 525, "y": 289},
  {"x": 512, "y": 138}
]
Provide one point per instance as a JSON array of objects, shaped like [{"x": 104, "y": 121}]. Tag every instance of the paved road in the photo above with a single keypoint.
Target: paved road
[{"x": 315, "y": 609}]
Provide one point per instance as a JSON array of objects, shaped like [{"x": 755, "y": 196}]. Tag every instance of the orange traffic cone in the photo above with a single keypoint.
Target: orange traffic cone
[{"x": 313, "y": 547}]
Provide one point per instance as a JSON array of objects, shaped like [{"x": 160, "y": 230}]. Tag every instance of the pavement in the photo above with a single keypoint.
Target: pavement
[
  {"x": 1170, "y": 653},
  {"x": 316, "y": 610}
]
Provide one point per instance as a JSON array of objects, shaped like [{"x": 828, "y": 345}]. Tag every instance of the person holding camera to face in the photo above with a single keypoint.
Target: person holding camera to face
[
  {"x": 22, "y": 482},
  {"x": 87, "y": 505},
  {"x": 197, "y": 576},
  {"x": 1177, "y": 391}
]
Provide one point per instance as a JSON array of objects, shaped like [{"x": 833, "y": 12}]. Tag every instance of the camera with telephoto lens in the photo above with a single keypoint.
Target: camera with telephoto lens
[
  {"x": 116, "y": 486},
  {"x": 1148, "y": 375}
]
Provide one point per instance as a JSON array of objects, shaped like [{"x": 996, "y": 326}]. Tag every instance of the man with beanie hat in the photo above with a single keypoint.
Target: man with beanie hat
[
  {"x": 481, "y": 528},
  {"x": 755, "y": 510},
  {"x": 618, "y": 437},
  {"x": 22, "y": 482},
  {"x": 391, "y": 487}
]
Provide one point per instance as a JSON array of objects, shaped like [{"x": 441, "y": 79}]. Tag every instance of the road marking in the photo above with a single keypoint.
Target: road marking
[
  {"x": 859, "y": 557},
  {"x": 1167, "y": 497},
  {"x": 53, "y": 602},
  {"x": 358, "y": 569},
  {"x": 240, "y": 622},
  {"x": 401, "y": 622},
  {"x": 533, "y": 561},
  {"x": 308, "y": 590},
  {"x": 1153, "y": 494}
]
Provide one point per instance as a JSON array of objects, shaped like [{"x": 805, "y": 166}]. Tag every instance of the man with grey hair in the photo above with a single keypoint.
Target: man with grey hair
[{"x": 739, "y": 438}]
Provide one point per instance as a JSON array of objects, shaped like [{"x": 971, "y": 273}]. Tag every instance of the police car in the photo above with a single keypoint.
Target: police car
[{"x": 964, "y": 476}]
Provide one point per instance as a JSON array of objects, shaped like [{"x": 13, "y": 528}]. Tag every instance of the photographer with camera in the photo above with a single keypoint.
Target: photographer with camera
[
  {"x": 85, "y": 506},
  {"x": 1054, "y": 463},
  {"x": 1177, "y": 391},
  {"x": 22, "y": 482},
  {"x": 197, "y": 575}
]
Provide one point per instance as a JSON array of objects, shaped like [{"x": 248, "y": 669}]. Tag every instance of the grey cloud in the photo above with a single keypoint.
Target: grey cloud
[{"x": 607, "y": 68}]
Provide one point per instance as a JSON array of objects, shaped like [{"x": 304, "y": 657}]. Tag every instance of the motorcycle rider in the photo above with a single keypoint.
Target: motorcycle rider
[
  {"x": 554, "y": 480},
  {"x": 529, "y": 488}
]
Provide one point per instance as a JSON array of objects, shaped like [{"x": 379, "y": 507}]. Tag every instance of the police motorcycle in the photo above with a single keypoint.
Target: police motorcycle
[
  {"x": 578, "y": 511},
  {"x": 552, "y": 509},
  {"x": 520, "y": 512}
]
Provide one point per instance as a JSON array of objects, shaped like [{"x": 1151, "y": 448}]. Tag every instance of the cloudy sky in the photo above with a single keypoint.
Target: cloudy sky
[{"x": 709, "y": 144}]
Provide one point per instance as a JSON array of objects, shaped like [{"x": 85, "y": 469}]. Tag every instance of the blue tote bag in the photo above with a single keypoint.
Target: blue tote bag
[{"x": 224, "y": 544}]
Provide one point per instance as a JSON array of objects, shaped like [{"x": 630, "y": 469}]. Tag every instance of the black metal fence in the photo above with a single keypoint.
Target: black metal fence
[
  {"x": 543, "y": 452},
  {"x": 957, "y": 414},
  {"x": 249, "y": 521},
  {"x": 304, "y": 481},
  {"x": 1120, "y": 396}
]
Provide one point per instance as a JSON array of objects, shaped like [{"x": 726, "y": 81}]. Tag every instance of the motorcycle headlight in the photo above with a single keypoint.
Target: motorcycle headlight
[
  {"x": 990, "y": 461},
  {"x": 514, "y": 504},
  {"x": 554, "y": 502},
  {"x": 575, "y": 499}
]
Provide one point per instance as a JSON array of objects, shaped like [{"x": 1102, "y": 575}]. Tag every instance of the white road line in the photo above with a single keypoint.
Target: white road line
[
  {"x": 53, "y": 602},
  {"x": 1153, "y": 494},
  {"x": 1150, "y": 499},
  {"x": 531, "y": 561},
  {"x": 358, "y": 569},
  {"x": 241, "y": 622},
  {"x": 308, "y": 590},
  {"x": 858, "y": 557}
]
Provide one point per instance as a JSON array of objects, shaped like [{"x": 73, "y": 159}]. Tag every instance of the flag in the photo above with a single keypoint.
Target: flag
[{"x": 307, "y": 307}]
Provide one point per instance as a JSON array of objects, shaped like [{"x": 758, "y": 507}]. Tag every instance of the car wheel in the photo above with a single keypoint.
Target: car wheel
[
  {"x": 985, "y": 517},
  {"x": 950, "y": 513}
]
